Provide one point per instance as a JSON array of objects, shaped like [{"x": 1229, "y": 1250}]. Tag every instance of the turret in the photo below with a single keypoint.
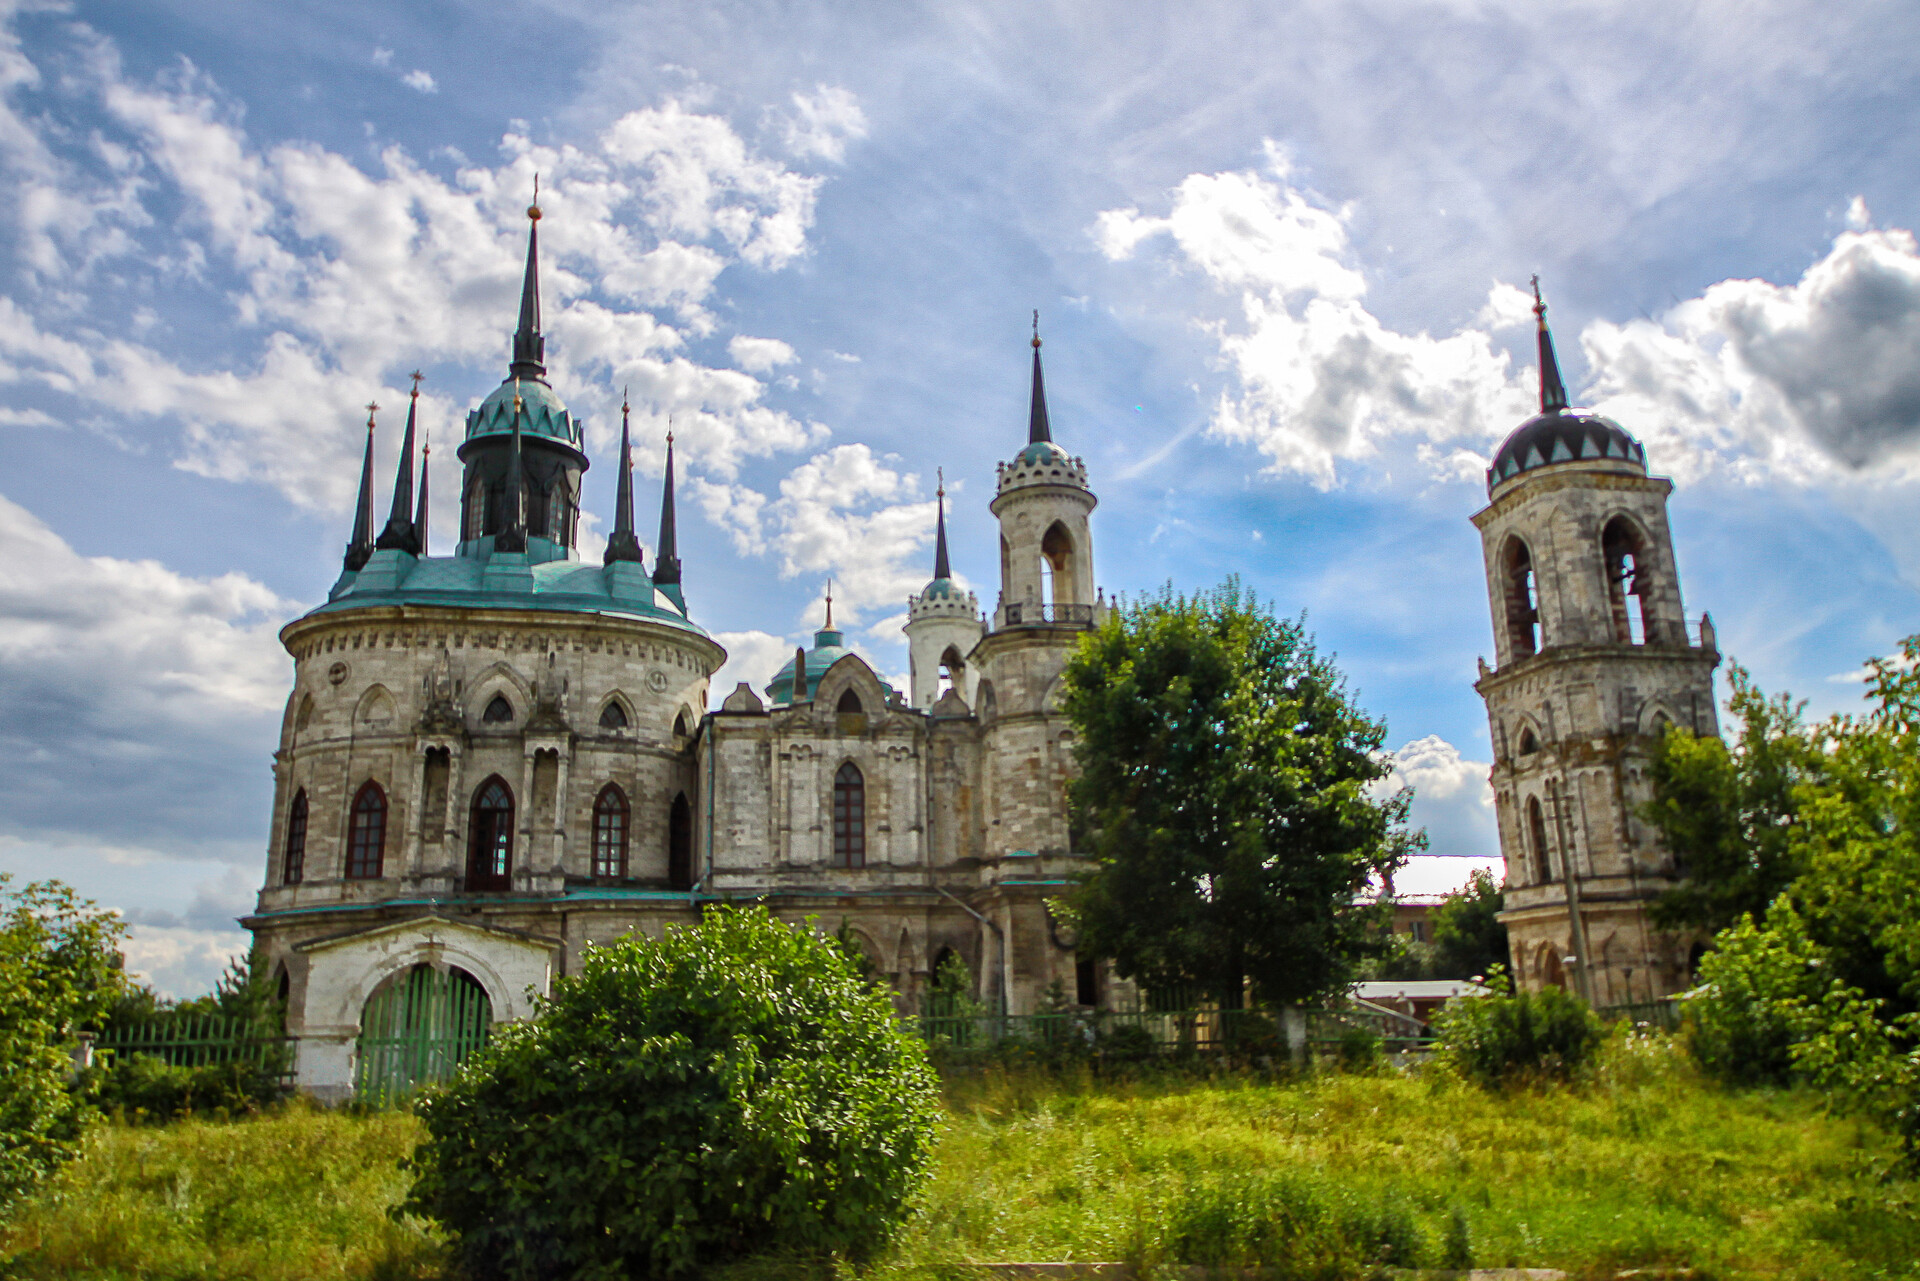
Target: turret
[
  {"x": 1046, "y": 545},
  {"x": 943, "y": 625}
]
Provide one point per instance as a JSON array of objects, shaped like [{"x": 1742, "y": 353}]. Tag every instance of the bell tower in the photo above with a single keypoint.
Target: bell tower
[
  {"x": 943, "y": 626},
  {"x": 1046, "y": 546},
  {"x": 1594, "y": 657}
]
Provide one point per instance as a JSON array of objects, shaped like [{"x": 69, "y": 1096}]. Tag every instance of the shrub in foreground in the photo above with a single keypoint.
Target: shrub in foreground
[
  {"x": 1506, "y": 1035},
  {"x": 142, "y": 1087},
  {"x": 731, "y": 1089}
]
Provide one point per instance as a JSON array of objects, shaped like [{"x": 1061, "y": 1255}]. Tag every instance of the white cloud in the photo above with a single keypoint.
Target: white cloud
[
  {"x": 753, "y": 657},
  {"x": 822, "y": 123},
  {"x": 420, "y": 81},
  {"x": 382, "y": 57},
  {"x": 1452, "y": 799},
  {"x": 759, "y": 355}
]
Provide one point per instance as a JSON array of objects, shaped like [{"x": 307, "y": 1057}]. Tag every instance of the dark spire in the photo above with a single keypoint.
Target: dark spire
[
  {"x": 623, "y": 545},
  {"x": 420, "y": 513},
  {"x": 666, "y": 556},
  {"x": 529, "y": 348},
  {"x": 514, "y": 537},
  {"x": 400, "y": 533},
  {"x": 360, "y": 545},
  {"x": 940, "y": 569},
  {"x": 1553, "y": 392},
  {"x": 1037, "y": 429}
]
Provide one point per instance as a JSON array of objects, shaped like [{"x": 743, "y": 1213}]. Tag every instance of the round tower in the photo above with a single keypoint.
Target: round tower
[
  {"x": 1046, "y": 545},
  {"x": 943, "y": 626},
  {"x": 1594, "y": 658}
]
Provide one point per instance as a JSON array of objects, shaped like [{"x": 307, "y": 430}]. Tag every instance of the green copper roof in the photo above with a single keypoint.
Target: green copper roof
[
  {"x": 940, "y": 587},
  {"x": 542, "y": 414},
  {"x": 544, "y": 577},
  {"x": 829, "y": 647},
  {"x": 1040, "y": 451}
]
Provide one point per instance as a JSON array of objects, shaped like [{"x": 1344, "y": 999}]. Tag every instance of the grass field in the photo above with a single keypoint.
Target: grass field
[{"x": 1326, "y": 1176}]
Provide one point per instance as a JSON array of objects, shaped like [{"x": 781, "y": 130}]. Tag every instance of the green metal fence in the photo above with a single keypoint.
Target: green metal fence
[
  {"x": 200, "y": 1041},
  {"x": 1157, "y": 1032},
  {"x": 1663, "y": 1014},
  {"x": 417, "y": 1030}
]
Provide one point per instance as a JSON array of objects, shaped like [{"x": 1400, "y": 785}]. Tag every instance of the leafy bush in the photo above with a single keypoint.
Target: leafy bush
[
  {"x": 730, "y": 1089},
  {"x": 145, "y": 1087},
  {"x": 1757, "y": 990},
  {"x": 1497, "y": 1038},
  {"x": 1292, "y": 1224},
  {"x": 59, "y": 972}
]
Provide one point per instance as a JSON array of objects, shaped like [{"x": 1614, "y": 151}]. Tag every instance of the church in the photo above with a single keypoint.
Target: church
[{"x": 494, "y": 758}]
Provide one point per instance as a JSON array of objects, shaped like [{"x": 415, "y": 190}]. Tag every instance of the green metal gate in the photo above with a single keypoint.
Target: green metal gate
[{"x": 417, "y": 1029}]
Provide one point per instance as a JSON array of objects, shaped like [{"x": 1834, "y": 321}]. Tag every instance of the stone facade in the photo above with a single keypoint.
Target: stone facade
[
  {"x": 491, "y": 760},
  {"x": 1594, "y": 658}
]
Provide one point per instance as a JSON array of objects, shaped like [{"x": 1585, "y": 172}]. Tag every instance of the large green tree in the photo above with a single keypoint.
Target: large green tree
[
  {"x": 1729, "y": 811},
  {"x": 1468, "y": 938},
  {"x": 1230, "y": 790}
]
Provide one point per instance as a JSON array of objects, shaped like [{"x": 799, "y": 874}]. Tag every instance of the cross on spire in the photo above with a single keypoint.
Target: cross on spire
[{"x": 1553, "y": 392}]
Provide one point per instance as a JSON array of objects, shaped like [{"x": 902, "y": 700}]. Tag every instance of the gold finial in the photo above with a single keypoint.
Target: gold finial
[
  {"x": 623, "y": 404},
  {"x": 518, "y": 404},
  {"x": 941, "y": 472},
  {"x": 1539, "y": 304},
  {"x": 829, "y": 604},
  {"x": 533, "y": 210},
  {"x": 1036, "y": 327},
  {"x": 426, "y": 442},
  {"x": 371, "y": 406},
  {"x": 417, "y": 377},
  {"x": 669, "y": 429}
]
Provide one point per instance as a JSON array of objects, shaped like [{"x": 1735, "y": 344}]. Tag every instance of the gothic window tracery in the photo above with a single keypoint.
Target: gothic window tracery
[
  {"x": 294, "y": 857},
  {"x": 490, "y": 856},
  {"x": 499, "y": 712},
  {"x": 613, "y": 716},
  {"x": 367, "y": 833},
  {"x": 610, "y": 813},
  {"x": 849, "y": 817}
]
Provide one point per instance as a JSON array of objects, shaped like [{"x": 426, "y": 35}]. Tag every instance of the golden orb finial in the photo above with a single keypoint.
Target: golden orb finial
[
  {"x": 1036, "y": 328},
  {"x": 533, "y": 210}
]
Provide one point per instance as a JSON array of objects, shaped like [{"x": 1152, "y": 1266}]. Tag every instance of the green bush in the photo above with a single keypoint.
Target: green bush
[
  {"x": 1498, "y": 1038},
  {"x": 732, "y": 1089},
  {"x": 1758, "y": 988},
  {"x": 1291, "y": 1224},
  {"x": 144, "y": 1087}
]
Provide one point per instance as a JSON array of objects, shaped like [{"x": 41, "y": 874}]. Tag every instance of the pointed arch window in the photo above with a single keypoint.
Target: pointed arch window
[
  {"x": 1537, "y": 840},
  {"x": 293, "y": 863},
  {"x": 613, "y": 716},
  {"x": 680, "y": 727},
  {"x": 1624, "y": 552},
  {"x": 849, "y": 817},
  {"x": 610, "y": 814},
  {"x": 1522, "y": 591},
  {"x": 490, "y": 856},
  {"x": 680, "y": 844},
  {"x": 499, "y": 712},
  {"x": 367, "y": 833}
]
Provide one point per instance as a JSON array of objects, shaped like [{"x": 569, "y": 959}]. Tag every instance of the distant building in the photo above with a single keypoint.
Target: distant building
[
  {"x": 1594, "y": 658},
  {"x": 494, "y": 758}
]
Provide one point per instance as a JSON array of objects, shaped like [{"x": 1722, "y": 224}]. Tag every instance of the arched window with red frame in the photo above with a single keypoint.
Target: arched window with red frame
[
  {"x": 367, "y": 833},
  {"x": 610, "y": 814},
  {"x": 849, "y": 817},
  {"x": 293, "y": 860}
]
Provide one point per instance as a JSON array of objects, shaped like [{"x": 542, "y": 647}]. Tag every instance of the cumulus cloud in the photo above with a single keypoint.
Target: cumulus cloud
[
  {"x": 1316, "y": 379},
  {"x": 1817, "y": 380},
  {"x": 420, "y": 81},
  {"x": 753, "y": 657},
  {"x": 339, "y": 279},
  {"x": 823, "y": 122},
  {"x": 1452, "y": 799},
  {"x": 759, "y": 355}
]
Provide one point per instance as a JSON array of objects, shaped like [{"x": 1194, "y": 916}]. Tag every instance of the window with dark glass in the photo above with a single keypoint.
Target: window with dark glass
[
  {"x": 490, "y": 858},
  {"x": 367, "y": 833},
  {"x": 294, "y": 859},
  {"x": 498, "y": 712},
  {"x": 610, "y": 832},
  {"x": 680, "y": 844},
  {"x": 613, "y": 716},
  {"x": 849, "y": 817}
]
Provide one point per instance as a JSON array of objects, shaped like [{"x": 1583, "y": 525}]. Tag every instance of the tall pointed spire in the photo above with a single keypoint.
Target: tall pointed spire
[
  {"x": 940, "y": 568},
  {"x": 1037, "y": 428},
  {"x": 623, "y": 544},
  {"x": 666, "y": 556},
  {"x": 1553, "y": 392},
  {"x": 420, "y": 512},
  {"x": 513, "y": 538},
  {"x": 400, "y": 534},
  {"x": 360, "y": 545},
  {"x": 529, "y": 347}
]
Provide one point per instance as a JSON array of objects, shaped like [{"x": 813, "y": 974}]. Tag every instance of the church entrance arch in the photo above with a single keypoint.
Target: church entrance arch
[{"x": 417, "y": 1028}]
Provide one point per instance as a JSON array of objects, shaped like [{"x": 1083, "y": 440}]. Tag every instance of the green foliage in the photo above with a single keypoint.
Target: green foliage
[
  {"x": 1295, "y": 1224},
  {"x": 145, "y": 1088},
  {"x": 732, "y": 1088},
  {"x": 295, "y": 1194},
  {"x": 1227, "y": 786},
  {"x": 1727, "y": 813},
  {"x": 1508, "y": 1036},
  {"x": 59, "y": 973},
  {"x": 1468, "y": 938},
  {"x": 1751, "y": 1007}
]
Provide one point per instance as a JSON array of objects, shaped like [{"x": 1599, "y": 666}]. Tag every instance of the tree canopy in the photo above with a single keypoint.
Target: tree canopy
[{"x": 1230, "y": 792}]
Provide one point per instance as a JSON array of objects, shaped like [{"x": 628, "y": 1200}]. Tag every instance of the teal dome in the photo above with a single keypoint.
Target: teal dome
[
  {"x": 829, "y": 647},
  {"x": 542, "y": 414},
  {"x": 1041, "y": 451},
  {"x": 940, "y": 587}
]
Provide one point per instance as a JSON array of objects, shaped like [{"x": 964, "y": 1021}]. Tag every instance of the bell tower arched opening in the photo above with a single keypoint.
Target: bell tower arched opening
[
  {"x": 1521, "y": 588},
  {"x": 1623, "y": 550}
]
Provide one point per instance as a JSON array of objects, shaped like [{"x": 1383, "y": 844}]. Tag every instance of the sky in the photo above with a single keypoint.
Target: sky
[{"x": 1279, "y": 250}]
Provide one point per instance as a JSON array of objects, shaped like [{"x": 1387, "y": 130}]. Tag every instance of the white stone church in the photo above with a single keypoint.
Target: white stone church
[{"x": 493, "y": 758}]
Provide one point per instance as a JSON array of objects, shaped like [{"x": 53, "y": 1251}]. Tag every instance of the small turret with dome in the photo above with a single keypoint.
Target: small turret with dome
[
  {"x": 801, "y": 674},
  {"x": 1560, "y": 433},
  {"x": 943, "y": 623}
]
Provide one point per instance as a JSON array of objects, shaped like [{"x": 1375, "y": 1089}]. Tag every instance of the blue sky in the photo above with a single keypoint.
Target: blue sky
[{"x": 1277, "y": 249}]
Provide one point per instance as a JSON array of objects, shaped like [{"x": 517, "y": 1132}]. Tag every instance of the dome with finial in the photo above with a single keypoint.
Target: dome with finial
[
  {"x": 829, "y": 647},
  {"x": 1560, "y": 433}
]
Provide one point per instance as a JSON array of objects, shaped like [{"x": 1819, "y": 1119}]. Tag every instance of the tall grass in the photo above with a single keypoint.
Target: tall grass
[
  {"x": 298, "y": 1194},
  {"x": 1641, "y": 1165}
]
